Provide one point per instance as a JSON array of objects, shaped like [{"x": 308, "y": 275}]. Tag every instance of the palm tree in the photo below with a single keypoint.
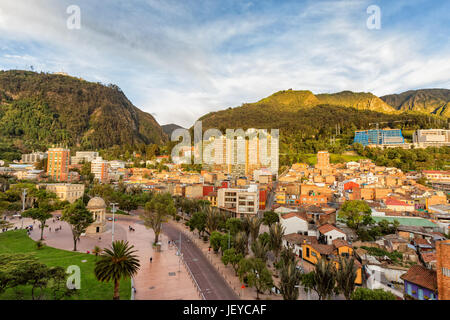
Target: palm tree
[
  {"x": 213, "y": 218},
  {"x": 290, "y": 277},
  {"x": 260, "y": 249},
  {"x": 241, "y": 243},
  {"x": 116, "y": 264},
  {"x": 276, "y": 233},
  {"x": 97, "y": 250},
  {"x": 346, "y": 276},
  {"x": 254, "y": 223},
  {"x": 324, "y": 278}
]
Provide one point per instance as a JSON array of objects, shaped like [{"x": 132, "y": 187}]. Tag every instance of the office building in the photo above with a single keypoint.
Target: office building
[
  {"x": 83, "y": 156},
  {"x": 99, "y": 168},
  {"x": 58, "y": 164},
  {"x": 379, "y": 137},
  {"x": 239, "y": 201},
  {"x": 431, "y": 138},
  {"x": 33, "y": 157}
]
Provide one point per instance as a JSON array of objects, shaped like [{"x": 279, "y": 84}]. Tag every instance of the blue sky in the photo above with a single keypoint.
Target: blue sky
[{"x": 181, "y": 59}]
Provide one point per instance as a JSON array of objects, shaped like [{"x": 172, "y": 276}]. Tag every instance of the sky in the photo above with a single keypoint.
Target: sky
[{"x": 179, "y": 60}]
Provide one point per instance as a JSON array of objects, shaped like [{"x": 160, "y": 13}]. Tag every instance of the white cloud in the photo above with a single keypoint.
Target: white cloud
[{"x": 179, "y": 67}]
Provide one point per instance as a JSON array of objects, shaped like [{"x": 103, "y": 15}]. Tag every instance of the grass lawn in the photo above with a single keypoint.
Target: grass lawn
[{"x": 91, "y": 288}]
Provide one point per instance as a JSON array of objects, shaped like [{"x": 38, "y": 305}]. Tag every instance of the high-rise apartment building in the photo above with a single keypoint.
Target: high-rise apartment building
[
  {"x": 242, "y": 156},
  {"x": 58, "y": 164},
  {"x": 99, "y": 168},
  {"x": 323, "y": 160}
]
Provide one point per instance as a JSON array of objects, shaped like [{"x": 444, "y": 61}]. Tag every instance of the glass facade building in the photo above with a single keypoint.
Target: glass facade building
[{"x": 377, "y": 137}]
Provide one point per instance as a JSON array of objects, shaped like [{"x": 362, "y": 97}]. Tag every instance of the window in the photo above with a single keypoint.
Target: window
[
  {"x": 307, "y": 252},
  {"x": 409, "y": 289},
  {"x": 421, "y": 294}
]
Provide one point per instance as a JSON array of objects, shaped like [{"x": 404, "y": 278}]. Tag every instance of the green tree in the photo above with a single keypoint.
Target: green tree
[
  {"x": 230, "y": 256},
  {"x": 79, "y": 219},
  {"x": 157, "y": 211},
  {"x": 276, "y": 233},
  {"x": 117, "y": 263},
  {"x": 356, "y": 213},
  {"x": 214, "y": 240},
  {"x": 270, "y": 217},
  {"x": 368, "y": 294},
  {"x": 241, "y": 243},
  {"x": 254, "y": 270},
  {"x": 234, "y": 225},
  {"x": 324, "y": 278},
  {"x": 346, "y": 276},
  {"x": 260, "y": 249},
  {"x": 290, "y": 277},
  {"x": 40, "y": 214},
  {"x": 198, "y": 221}
]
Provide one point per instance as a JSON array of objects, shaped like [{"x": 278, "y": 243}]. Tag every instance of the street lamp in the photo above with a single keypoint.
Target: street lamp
[{"x": 113, "y": 210}]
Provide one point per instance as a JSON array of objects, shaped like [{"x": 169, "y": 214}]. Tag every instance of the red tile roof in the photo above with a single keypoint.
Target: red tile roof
[
  {"x": 421, "y": 276},
  {"x": 395, "y": 202},
  {"x": 327, "y": 228},
  {"x": 323, "y": 248},
  {"x": 294, "y": 214},
  {"x": 341, "y": 243}
]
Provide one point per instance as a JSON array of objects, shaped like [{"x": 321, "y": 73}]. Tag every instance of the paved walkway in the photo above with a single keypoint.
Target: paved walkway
[{"x": 163, "y": 279}]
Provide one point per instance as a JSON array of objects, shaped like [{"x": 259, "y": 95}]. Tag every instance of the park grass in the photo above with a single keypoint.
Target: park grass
[{"x": 12, "y": 242}]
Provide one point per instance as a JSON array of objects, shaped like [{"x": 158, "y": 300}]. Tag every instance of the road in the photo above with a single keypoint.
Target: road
[{"x": 211, "y": 283}]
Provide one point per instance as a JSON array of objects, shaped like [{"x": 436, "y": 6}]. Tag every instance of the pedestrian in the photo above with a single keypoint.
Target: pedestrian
[
  {"x": 151, "y": 259},
  {"x": 99, "y": 238},
  {"x": 50, "y": 228}
]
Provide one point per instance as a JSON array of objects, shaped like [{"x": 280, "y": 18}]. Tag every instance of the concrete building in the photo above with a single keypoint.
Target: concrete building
[
  {"x": 431, "y": 138},
  {"x": 58, "y": 164},
  {"x": 67, "y": 191},
  {"x": 239, "y": 201},
  {"x": 99, "y": 168},
  {"x": 33, "y": 157},
  {"x": 83, "y": 156},
  {"x": 323, "y": 160}
]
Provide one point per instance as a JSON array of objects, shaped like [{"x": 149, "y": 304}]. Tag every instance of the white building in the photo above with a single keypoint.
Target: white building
[
  {"x": 240, "y": 201},
  {"x": 99, "y": 168},
  {"x": 431, "y": 138},
  {"x": 294, "y": 222},
  {"x": 83, "y": 156}
]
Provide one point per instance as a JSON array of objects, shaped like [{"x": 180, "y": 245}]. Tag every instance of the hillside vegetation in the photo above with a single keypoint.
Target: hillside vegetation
[{"x": 40, "y": 109}]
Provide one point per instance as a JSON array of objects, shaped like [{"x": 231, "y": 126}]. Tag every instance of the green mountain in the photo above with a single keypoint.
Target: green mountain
[
  {"x": 40, "y": 109},
  {"x": 169, "y": 128},
  {"x": 357, "y": 100},
  {"x": 431, "y": 101}
]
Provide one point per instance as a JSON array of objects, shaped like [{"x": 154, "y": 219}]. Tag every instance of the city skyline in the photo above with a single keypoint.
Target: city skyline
[{"x": 181, "y": 60}]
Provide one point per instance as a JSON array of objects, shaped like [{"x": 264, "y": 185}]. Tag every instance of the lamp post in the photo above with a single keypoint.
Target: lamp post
[
  {"x": 24, "y": 193},
  {"x": 114, "y": 220}
]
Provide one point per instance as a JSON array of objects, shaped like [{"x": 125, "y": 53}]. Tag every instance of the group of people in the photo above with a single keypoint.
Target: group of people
[{"x": 130, "y": 228}]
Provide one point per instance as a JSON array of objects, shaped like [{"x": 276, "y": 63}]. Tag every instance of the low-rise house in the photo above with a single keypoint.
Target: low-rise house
[
  {"x": 331, "y": 233},
  {"x": 294, "y": 222},
  {"x": 420, "y": 283}
]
